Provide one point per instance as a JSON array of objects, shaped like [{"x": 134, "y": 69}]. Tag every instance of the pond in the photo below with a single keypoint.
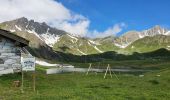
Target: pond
[{"x": 65, "y": 70}]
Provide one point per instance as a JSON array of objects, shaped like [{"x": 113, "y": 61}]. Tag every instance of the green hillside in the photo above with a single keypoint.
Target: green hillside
[
  {"x": 149, "y": 44},
  {"x": 77, "y": 86}
]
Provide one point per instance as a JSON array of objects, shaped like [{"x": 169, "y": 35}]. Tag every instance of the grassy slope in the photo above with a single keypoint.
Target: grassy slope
[
  {"x": 77, "y": 86},
  {"x": 106, "y": 44},
  {"x": 69, "y": 45},
  {"x": 146, "y": 45}
]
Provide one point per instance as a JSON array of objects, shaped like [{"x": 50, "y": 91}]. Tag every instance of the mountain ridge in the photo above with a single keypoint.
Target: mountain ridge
[{"x": 55, "y": 40}]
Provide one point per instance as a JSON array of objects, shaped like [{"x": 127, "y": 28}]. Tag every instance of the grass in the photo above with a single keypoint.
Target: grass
[{"x": 77, "y": 86}]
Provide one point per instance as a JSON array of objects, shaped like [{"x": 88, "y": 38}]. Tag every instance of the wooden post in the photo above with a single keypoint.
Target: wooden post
[
  {"x": 108, "y": 68},
  {"x": 115, "y": 75},
  {"x": 34, "y": 87},
  {"x": 22, "y": 84},
  {"x": 34, "y": 76},
  {"x": 106, "y": 72},
  {"x": 88, "y": 69},
  {"x": 110, "y": 71}
]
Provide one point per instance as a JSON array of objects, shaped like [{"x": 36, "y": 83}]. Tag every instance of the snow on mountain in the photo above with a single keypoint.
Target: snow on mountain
[
  {"x": 93, "y": 42},
  {"x": 131, "y": 36},
  {"x": 98, "y": 49},
  {"x": 33, "y": 32},
  {"x": 94, "y": 45},
  {"x": 18, "y": 28},
  {"x": 44, "y": 63},
  {"x": 167, "y": 33},
  {"x": 47, "y": 34},
  {"x": 12, "y": 30},
  {"x": 50, "y": 39},
  {"x": 81, "y": 52},
  {"x": 121, "y": 46},
  {"x": 157, "y": 30},
  {"x": 74, "y": 38}
]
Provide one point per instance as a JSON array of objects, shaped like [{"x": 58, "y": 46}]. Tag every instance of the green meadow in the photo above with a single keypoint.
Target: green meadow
[{"x": 153, "y": 85}]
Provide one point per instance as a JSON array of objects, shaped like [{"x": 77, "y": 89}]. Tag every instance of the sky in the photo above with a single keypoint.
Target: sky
[{"x": 92, "y": 18}]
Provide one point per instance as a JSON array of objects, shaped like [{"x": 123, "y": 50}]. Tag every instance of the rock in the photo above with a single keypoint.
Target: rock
[
  {"x": 141, "y": 75},
  {"x": 158, "y": 75}
]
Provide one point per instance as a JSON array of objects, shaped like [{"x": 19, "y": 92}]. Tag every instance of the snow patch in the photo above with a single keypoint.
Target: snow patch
[
  {"x": 89, "y": 43},
  {"x": 12, "y": 30},
  {"x": 18, "y": 28},
  {"x": 98, "y": 49},
  {"x": 73, "y": 37},
  {"x": 168, "y": 47},
  {"x": 33, "y": 32},
  {"x": 43, "y": 63},
  {"x": 140, "y": 36},
  {"x": 121, "y": 46},
  {"x": 93, "y": 42},
  {"x": 167, "y": 33},
  {"x": 159, "y": 31},
  {"x": 50, "y": 39},
  {"x": 81, "y": 52}
]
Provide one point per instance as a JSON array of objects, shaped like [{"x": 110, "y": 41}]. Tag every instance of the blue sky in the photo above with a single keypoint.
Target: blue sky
[
  {"x": 92, "y": 18},
  {"x": 136, "y": 14}
]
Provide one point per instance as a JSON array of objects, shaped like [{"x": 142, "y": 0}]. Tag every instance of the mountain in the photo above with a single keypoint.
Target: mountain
[
  {"x": 44, "y": 32},
  {"x": 33, "y": 31},
  {"x": 50, "y": 43},
  {"x": 148, "y": 44},
  {"x": 83, "y": 46},
  {"x": 55, "y": 40},
  {"x": 131, "y": 36}
]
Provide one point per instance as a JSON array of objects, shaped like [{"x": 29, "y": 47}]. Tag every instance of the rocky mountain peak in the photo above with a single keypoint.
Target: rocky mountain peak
[
  {"x": 44, "y": 32},
  {"x": 131, "y": 36},
  {"x": 156, "y": 30}
]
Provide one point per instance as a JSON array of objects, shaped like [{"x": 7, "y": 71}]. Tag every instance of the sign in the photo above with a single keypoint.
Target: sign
[{"x": 28, "y": 63}]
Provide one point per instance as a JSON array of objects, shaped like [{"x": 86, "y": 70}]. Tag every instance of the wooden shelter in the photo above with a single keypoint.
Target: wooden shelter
[{"x": 10, "y": 52}]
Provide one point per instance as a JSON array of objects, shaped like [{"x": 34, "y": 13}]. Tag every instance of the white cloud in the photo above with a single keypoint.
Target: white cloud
[
  {"x": 53, "y": 13},
  {"x": 80, "y": 28},
  {"x": 110, "y": 31},
  {"x": 49, "y": 11}
]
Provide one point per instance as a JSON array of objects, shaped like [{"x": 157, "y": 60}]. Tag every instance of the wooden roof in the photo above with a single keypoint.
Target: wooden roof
[{"x": 22, "y": 42}]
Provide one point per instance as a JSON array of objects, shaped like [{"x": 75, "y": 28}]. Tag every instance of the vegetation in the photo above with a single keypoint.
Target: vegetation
[
  {"x": 146, "y": 45},
  {"x": 77, "y": 86},
  {"x": 71, "y": 45}
]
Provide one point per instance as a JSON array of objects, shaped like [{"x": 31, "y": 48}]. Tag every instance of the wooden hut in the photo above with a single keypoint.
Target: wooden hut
[{"x": 10, "y": 52}]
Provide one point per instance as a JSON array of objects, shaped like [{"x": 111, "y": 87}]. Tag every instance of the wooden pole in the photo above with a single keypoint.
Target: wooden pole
[
  {"x": 106, "y": 72},
  {"x": 34, "y": 76},
  {"x": 34, "y": 84},
  {"x": 22, "y": 84},
  {"x": 88, "y": 69},
  {"x": 115, "y": 75},
  {"x": 108, "y": 69}
]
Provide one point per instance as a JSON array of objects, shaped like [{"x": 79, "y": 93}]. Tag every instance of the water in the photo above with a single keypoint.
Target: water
[{"x": 65, "y": 70}]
